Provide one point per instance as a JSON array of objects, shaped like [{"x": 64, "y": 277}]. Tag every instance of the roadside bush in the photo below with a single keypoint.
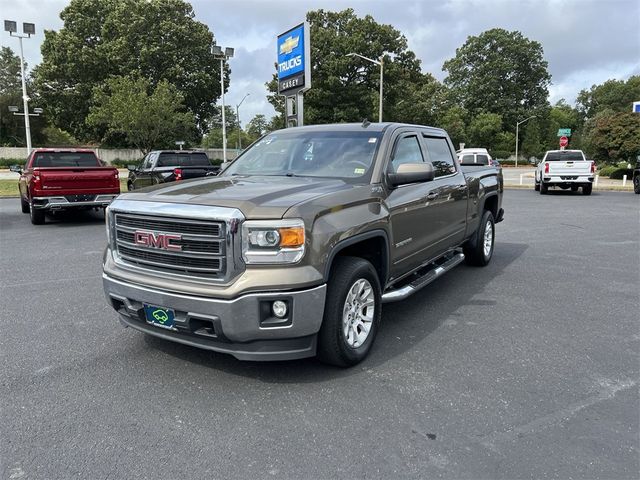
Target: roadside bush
[
  {"x": 216, "y": 161},
  {"x": 498, "y": 154},
  {"x": 615, "y": 172},
  {"x": 7, "y": 162},
  {"x": 123, "y": 163},
  {"x": 606, "y": 170}
]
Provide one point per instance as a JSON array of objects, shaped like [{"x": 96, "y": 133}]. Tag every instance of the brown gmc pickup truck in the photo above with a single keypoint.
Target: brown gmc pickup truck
[{"x": 293, "y": 249}]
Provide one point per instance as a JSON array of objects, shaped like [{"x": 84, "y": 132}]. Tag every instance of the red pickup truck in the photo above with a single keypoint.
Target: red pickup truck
[{"x": 60, "y": 179}]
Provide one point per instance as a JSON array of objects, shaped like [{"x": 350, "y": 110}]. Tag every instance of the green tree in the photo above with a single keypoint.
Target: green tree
[
  {"x": 56, "y": 137},
  {"x": 345, "y": 89},
  {"x": 562, "y": 115},
  {"x": 483, "y": 130},
  {"x": 157, "y": 39},
  {"x": 147, "y": 116},
  {"x": 257, "y": 126},
  {"x": 614, "y": 95},
  {"x": 453, "y": 121},
  {"x": 499, "y": 72},
  {"x": 613, "y": 136},
  {"x": 532, "y": 144}
]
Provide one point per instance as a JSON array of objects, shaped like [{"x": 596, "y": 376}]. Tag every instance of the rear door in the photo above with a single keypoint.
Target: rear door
[
  {"x": 144, "y": 174},
  {"x": 448, "y": 223}
]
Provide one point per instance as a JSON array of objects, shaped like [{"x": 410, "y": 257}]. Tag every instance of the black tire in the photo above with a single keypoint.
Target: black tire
[
  {"x": 574, "y": 188},
  {"x": 474, "y": 253},
  {"x": 37, "y": 216},
  {"x": 636, "y": 183},
  {"x": 536, "y": 186},
  {"x": 130, "y": 186},
  {"x": 24, "y": 205},
  {"x": 333, "y": 346},
  {"x": 586, "y": 189},
  {"x": 544, "y": 188}
]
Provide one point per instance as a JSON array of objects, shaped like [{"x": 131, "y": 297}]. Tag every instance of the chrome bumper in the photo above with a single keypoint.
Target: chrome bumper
[
  {"x": 57, "y": 203},
  {"x": 241, "y": 327}
]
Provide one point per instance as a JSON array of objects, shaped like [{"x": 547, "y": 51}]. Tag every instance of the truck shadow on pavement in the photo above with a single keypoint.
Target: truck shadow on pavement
[
  {"x": 404, "y": 326},
  {"x": 70, "y": 218}
]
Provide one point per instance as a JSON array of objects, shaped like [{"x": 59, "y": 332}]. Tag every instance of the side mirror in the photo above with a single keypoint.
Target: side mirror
[
  {"x": 15, "y": 168},
  {"x": 132, "y": 168},
  {"x": 412, "y": 173}
]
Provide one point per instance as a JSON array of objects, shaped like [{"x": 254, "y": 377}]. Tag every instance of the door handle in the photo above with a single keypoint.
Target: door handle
[{"x": 432, "y": 196}]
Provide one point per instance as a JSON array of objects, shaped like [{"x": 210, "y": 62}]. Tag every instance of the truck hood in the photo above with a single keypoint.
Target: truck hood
[{"x": 258, "y": 197}]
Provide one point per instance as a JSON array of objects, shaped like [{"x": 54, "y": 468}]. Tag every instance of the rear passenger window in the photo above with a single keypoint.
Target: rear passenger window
[
  {"x": 482, "y": 159},
  {"x": 466, "y": 159},
  {"x": 407, "y": 151},
  {"x": 440, "y": 156}
]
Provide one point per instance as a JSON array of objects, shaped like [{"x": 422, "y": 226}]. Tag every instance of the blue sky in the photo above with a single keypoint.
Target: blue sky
[{"x": 585, "y": 42}]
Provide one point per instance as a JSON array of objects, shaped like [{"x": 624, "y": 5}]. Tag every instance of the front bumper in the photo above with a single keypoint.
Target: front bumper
[
  {"x": 241, "y": 327},
  {"x": 72, "y": 201}
]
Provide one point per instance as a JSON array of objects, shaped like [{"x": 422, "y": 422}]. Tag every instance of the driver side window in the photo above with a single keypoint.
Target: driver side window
[{"x": 407, "y": 151}]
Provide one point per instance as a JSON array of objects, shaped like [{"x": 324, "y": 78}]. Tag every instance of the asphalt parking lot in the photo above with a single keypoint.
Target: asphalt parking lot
[{"x": 527, "y": 368}]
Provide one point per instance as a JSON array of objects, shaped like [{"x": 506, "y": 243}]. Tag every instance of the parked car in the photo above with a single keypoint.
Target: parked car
[
  {"x": 61, "y": 179},
  {"x": 566, "y": 169},
  {"x": 164, "y": 166},
  {"x": 294, "y": 248},
  {"x": 475, "y": 156}
]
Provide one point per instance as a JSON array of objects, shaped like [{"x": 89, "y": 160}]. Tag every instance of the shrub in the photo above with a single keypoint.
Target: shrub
[
  {"x": 7, "y": 162},
  {"x": 620, "y": 172},
  {"x": 123, "y": 163}
]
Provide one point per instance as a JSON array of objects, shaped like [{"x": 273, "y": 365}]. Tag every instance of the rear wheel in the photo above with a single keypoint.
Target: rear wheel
[
  {"x": 37, "y": 216},
  {"x": 479, "y": 251},
  {"x": 130, "y": 186},
  {"x": 586, "y": 189},
  {"x": 574, "y": 188},
  {"x": 352, "y": 312},
  {"x": 636, "y": 183},
  {"x": 24, "y": 205},
  {"x": 544, "y": 188}
]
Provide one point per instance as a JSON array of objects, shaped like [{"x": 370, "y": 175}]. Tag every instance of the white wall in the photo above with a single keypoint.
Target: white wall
[{"x": 109, "y": 154}]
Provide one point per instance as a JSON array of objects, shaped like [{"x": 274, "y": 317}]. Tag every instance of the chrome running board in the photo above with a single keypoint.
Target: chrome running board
[{"x": 422, "y": 281}]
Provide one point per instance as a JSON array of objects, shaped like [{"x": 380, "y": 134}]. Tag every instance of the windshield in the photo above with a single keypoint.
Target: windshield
[
  {"x": 183, "y": 160},
  {"x": 334, "y": 154},
  {"x": 564, "y": 156},
  {"x": 65, "y": 159}
]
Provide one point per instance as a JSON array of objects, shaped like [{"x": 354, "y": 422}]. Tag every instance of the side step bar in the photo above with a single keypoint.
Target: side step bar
[{"x": 411, "y": 288}]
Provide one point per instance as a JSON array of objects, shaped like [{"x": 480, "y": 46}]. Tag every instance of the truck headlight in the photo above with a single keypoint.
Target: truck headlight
[
  {"x": 273, "y": 241},
  {"x": 107, "y": 224}
]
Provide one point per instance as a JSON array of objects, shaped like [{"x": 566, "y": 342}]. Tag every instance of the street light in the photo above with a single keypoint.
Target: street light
[
  {"x": 517, "y": 127},
  {"x": 238, "y": 119},
  {"x": 223, "y": 56},
  {"x": 28, "y": 29},
  {"x": 377, "y": 62}
]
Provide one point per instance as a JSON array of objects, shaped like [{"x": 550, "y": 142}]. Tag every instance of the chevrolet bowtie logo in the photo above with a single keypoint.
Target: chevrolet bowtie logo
[{"x": 288, "y": 45}]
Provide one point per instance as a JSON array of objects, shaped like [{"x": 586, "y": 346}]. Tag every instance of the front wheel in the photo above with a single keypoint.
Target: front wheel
[
  {"x": 352, "y": 312},
  {"x": 479, "y": 251},
  {"x": 636, "y": 183}
]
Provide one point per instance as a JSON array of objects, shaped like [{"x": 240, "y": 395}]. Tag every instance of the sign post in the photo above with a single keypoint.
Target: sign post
[
  {"x": 564, "y": 141},
  {"x": 294, "y": 71}
]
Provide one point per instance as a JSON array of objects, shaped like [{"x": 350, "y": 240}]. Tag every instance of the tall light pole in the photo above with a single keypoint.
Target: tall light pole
[
  {"x": 517, "y": 127},
  {"x": 380, "y": 62},
  {"x": 223, "y": 56},
  {"x": 238, "y": 120},
  {"x": 28, "y": 29}
]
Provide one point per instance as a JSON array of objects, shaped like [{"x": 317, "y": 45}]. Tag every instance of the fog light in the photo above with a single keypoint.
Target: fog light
[{"x": 279, "y": 308}]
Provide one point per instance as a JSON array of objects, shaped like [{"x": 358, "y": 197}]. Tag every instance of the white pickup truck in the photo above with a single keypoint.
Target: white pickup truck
[{"x": 565, "y": 169}]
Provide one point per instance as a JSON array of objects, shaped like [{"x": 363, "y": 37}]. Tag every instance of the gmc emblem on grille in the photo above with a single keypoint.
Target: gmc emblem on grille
[{"x": 163, "y": 241}]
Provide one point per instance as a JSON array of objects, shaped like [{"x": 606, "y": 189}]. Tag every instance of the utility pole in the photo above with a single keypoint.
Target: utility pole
[
  {"x": 238, "y": 120},
  {"x": 379, "y": 62},
  {"x": 223, "y": 56},
  {"x": 28, "y": 29},
  {"x": 517, "y": 127}
]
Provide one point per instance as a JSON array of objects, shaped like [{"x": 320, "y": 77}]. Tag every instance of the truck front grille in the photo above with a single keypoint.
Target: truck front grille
[{"x": 196, "y": 247}]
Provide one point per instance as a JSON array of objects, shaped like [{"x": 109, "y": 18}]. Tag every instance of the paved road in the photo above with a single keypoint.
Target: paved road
[{"x": 525, "y": 369}]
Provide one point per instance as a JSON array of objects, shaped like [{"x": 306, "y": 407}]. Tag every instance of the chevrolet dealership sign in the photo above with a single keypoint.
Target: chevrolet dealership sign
[{"x": 294, "y": 71}]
